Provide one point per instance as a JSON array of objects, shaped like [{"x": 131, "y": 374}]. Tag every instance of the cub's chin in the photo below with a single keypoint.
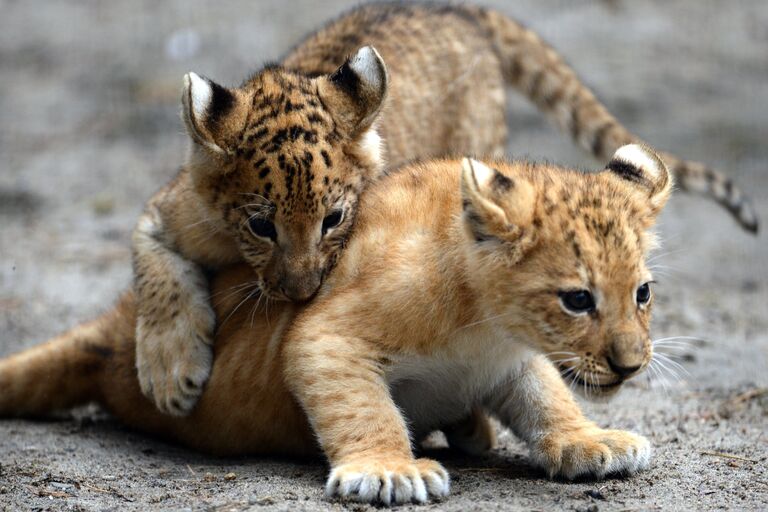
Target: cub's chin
[{"x": 593, "y": 391}]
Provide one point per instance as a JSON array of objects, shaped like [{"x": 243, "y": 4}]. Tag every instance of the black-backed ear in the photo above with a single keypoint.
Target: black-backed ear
[
  {"x": 641, "y": 166},
  {"x": 496, "y": 206},
  {"x": 356, "y": 91},
  {"x": 209, "y": 112}
]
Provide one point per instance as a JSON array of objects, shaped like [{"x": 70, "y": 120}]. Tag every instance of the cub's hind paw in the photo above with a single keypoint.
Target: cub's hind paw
[
  {"x": 388, "y": 481},
  {"x": 174, "y": 364},
  {"x": 474, "y": 434},
  {"x": 592, "y": 452}
]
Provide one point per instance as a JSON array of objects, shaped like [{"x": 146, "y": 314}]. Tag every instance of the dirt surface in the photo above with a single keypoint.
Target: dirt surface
[{"x": 89, "y": 129}]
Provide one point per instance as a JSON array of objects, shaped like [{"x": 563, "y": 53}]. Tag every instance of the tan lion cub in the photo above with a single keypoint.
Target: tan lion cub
[{"x": 460, "y": 280}]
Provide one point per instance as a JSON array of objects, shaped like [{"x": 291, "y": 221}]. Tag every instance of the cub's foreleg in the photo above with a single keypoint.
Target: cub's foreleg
[
  {"x": 340, "y": 383},
  {"x": 175, "y": 324},
  {"x": 539, "y": 408}
]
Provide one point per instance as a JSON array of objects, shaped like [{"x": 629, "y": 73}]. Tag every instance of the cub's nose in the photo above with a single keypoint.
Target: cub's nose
[
  {"x": 622, "y": 371},
  {"x": 626, "y": 354},
  {"x": 300, "y": 288}
]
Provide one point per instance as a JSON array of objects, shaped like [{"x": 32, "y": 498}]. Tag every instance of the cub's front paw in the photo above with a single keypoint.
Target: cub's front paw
[
  {"x": 174, "y": 361},
  {"x": 591, "y": 452},
  {"x": 388, "y": 481}
]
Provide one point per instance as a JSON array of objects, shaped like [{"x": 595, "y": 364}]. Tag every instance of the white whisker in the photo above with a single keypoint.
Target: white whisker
[
  {"x": 675, "y": 338},
  {"x": 240, "y": 290},
  {"x": 663, "y": 254},
  {"x": 560, "y": 353},
  {"x": 658, "y": 376},
  {"x": 667, "y": 369},
  {"x": 238, "y": 306},
  {"x": 253, "y": 194},
  {"x": 674, "y": 363},
  {"x": 495, "y": 317}
]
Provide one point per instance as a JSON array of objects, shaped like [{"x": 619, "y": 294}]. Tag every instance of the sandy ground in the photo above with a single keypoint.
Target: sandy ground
[{"x": 89, "y": 129}]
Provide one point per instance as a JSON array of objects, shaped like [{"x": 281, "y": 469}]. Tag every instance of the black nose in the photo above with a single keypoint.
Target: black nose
[
  {"x": 298, "y": 295},
  {"x": 622, "y": 371}
]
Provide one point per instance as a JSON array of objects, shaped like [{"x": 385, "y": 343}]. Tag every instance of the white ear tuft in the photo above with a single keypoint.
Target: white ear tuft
[
  {"x": 200, "y": 94},
  {"x": 477, "y": 175},
  {"x": 361, "y": 84},
  {"x": 644, "y": 168},
  {"x": 369, "y": 66},
  {"x": 641, "y": 157}
]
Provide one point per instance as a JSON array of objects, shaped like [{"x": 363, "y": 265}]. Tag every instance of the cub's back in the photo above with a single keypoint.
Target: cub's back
[
  {"x": 446, "y": 90},
  {"x": 402, "y": 217}
]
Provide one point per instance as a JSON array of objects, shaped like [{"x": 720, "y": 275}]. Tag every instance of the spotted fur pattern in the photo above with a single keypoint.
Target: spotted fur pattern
[
  {"x": 274, "y": 160},
  {"x": 421, "y": 323}
]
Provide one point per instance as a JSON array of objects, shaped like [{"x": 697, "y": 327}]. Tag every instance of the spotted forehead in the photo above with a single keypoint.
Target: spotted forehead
[
  {"x": 595, "y": 222},
  {"x": 289, "y": 147}
]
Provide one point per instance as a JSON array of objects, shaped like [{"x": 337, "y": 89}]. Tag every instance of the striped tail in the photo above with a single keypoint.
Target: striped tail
[
  {"x": 538, "y": 72},
  {"x": 62, "y": 373}
]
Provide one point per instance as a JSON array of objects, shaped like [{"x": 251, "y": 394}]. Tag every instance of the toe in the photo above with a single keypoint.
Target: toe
[
  {"x": 419, "y": 489},
  {"x": 369, "y": 488},
  {"x": 403, "y": 488}
]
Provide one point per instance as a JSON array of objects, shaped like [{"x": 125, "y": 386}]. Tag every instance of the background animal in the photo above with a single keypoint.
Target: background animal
[{"x": 88, "y": 130}]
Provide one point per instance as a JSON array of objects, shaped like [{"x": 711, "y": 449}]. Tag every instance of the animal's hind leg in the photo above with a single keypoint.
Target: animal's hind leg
[
  {"x": 474, "y": 434},
  {"x": 62, "y": 373}
]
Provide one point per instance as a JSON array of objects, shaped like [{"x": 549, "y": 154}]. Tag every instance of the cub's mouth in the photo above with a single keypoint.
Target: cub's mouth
[{"x": 581, "y": 381}]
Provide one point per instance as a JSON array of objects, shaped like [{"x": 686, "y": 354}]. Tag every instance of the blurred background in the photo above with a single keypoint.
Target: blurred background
[{"x": 89, "y": 129}]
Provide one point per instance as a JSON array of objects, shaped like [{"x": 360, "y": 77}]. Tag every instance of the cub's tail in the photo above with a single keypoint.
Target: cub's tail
[
  {"x": 64, "y": 372},
  {"x": 537, "y": 71}
]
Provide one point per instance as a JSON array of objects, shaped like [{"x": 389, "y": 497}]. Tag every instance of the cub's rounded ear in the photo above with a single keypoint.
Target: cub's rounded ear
[
  {"x": 356, "y": 90},
  {"x": 496, "y": 206},
  {"x": 209, "y": 111},
  {"x": 641, "y": 166}
]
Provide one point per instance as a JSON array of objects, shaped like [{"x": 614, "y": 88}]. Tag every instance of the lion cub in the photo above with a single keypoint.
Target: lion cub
[
  {"x": 273, "y": 177},
  {"x": 443, "y": 302},
  {"x": 461, "y": 279}
]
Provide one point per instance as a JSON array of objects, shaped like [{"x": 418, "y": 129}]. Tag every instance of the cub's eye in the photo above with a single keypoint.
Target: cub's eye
[
  {"x": 577, "y": 301},
  {"x": 332, "y": 220},
  {"x": 263, "y": 227},
  {"x": 643, "y": 294}
]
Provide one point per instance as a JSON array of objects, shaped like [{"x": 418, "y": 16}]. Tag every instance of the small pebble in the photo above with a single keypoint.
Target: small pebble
[
  {"x": 264, "y": 500},
  {"x": 62, "y": 486},
  {"x": 595, "y": 494}
]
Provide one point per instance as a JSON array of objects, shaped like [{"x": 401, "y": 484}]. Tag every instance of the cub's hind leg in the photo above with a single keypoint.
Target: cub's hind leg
[
  {"x": 474, "y": 434},
  {"x": 66, "y": 371}
]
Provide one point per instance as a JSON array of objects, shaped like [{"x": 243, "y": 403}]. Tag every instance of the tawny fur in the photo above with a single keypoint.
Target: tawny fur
[
  {"x": 445, "y": 302},
  {"x": 298, "y": 141}
]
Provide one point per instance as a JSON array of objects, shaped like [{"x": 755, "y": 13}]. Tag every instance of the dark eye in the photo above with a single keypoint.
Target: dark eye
[
  {"x": 263, "y": 227},
  {"x": 332, "y": 220},
  {"x": 643, "y": 294},
  {"x": 578, "y": 301}
]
